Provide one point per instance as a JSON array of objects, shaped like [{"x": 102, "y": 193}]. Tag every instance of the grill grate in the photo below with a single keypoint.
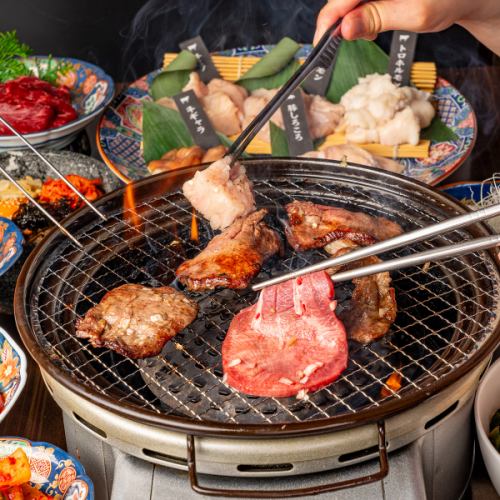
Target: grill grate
[{"x": 446, "y": 312}]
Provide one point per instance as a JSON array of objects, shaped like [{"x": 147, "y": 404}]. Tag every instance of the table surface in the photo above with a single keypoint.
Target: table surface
[{"x": 37, "y": 417}]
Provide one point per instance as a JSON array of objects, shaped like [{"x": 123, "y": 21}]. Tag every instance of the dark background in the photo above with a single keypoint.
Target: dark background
[{"x": 128, "y": 37}]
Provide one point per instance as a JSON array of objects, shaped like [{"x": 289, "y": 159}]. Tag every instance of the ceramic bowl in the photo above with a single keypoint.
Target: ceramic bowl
[
  {"x": 53, "y": 471},
  {"x": 91, "y": 91},
  {"x": 13, "y": 372},
  {"x": 11, "y": 244},
  {"x": 486, "y": 404},
  {"x": 468, "y": 190}
]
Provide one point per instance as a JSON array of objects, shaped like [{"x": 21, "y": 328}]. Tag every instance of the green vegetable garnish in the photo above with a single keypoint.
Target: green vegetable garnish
[
  {"x": 12, "y": 52},
  {"x": 494, "y": 434},
  {"x": 11, "y": 49}
]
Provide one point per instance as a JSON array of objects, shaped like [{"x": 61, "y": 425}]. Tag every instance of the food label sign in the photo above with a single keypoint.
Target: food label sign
[
  {"x": 401, "y": 57},
  {"x": 206, "y": 68},
  {"x": 296, "y": 127},
  {"x": 317, "y": 82},
  {"x": 196, "y": 120}
]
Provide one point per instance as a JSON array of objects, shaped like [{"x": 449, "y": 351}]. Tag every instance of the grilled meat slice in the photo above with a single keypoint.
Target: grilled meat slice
[
  {"x": 289, "y": 342},
  {"x": 314, "y": 226},
  {"x": 233, "y": 257},
  {"x": 137, "y": 321},
  {"x": 372, "y": 308}
]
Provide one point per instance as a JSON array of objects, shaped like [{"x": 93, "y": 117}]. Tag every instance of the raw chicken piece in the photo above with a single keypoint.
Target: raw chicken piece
[
  {"x": 222, "y": 113},
  {"x": 177, "y": 158},
  {"x": 324, "y": 116},
  {"x": 403, "y": 128},
  {"x": 196, "y": 85},
  {"x": 289, "y": 342},
  {"x": 254, "y": 104},
  {"x": 237, "y": 93},
  {"x": 376, "y": 110},
  {"x": 221, "y": 193},
  {"x": 353, "y": 154},
  {"x": 214, "y": 154}
]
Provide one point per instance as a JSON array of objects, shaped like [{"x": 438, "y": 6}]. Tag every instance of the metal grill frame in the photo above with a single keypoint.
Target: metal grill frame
[{"x": 197, "y": 427}]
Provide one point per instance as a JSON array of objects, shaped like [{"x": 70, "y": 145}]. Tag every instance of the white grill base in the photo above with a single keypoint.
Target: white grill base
[{"x": 435, "y": 466}]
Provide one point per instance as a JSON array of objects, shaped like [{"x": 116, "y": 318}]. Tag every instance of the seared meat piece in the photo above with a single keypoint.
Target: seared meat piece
[
  {"x": 221, "y": 193},
  {"x": 232, "y": 258},
  {"x": 289, "y": 342},
  {"x": 314, "y": 226},
  {"x": 372, "y": 308},
  {"x": 137, "y": 321}
]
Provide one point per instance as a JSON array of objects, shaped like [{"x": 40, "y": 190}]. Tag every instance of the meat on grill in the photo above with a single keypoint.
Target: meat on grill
[
  {"x": 233, "y": 257},
  {"x": 314, "y": 226},
  {"x": 289, "y": 342},
  {"x": 136, "y": 321},
  {"x": 372, "y": 308},
  {"x": 221, "y": 193}
]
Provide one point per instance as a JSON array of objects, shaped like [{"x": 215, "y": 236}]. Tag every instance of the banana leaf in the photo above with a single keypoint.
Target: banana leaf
[
  {"x": 274, "y": 69},
  {"x": 174, "y": 77},
  {"x": 279, "y": 143}
]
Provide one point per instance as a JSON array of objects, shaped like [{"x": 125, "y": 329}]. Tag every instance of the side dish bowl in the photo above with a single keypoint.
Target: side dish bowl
[
  {"x": 13, "y": 372},
  {"x": 91, "y": 91},
  {"x": 11, "y": 244},
  {"x": 53, "y": 471}
]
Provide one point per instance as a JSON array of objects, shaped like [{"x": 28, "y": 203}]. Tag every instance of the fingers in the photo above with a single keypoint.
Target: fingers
[{"x": 330, "y": 13}]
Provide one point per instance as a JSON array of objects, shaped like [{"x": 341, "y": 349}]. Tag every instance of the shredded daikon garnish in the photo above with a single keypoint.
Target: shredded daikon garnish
[{"x": 493, "y": 198}]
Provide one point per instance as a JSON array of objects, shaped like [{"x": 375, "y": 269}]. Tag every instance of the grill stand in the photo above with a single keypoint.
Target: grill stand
[{"x": 425, "y": 469}]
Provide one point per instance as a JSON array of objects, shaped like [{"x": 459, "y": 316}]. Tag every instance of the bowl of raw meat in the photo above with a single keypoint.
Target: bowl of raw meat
[{"x": 48, "y": 99}]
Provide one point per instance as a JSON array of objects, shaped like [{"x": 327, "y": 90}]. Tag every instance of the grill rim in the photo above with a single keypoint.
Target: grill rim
[{"x": 213, "y": 428}]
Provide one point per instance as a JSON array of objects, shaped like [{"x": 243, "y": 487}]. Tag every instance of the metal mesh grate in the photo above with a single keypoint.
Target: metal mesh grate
[{"x": 446, "y": 312}]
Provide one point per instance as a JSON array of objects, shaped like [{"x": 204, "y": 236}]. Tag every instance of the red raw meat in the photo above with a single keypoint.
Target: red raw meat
[{"x": 289, "y": 341}]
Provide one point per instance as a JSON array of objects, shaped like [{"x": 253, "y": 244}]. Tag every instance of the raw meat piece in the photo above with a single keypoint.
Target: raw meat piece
[
  {"x": 323, "y": 116},
  {"x": 137, "y": 321},
  {"x": 222, "y": 112},
  {"x": 221, "y": 193},
  {"x": 289, "y": 342},
  {"x": 232, "y": 258}
]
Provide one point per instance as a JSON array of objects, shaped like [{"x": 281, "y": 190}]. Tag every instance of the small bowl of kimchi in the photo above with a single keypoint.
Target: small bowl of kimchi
[{"x": 50, "y": 107}]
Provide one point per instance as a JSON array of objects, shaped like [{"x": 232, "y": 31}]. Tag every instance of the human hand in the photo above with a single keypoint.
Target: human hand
[{"x": 368, "y": 19}]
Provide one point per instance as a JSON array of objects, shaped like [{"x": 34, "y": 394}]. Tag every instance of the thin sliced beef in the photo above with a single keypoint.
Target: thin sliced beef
[
  {"x": 233, "y": 257},
  {"x": 137, "y": 321},
  {"x": 372, "y": 308},
  {"x": 314, "y": 226},
  {"x": 289, "y": 342}
]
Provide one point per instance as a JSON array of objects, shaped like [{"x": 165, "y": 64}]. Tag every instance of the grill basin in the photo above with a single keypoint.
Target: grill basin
[{"x": 446, "y": 324}]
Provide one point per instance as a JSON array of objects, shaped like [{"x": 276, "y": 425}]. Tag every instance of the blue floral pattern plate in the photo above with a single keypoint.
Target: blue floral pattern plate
[
  {"x": 91, "y": 91},
  {"x": 53, "y": 471},
  {"x": 119, "y": 133},
  {"x": 11, "y": 244},
  {"x": 13, "y": 372}
]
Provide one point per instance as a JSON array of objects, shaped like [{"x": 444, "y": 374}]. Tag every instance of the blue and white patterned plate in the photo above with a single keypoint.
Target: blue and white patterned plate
[
  {"x": 91, "y": 91},
  {"x": 13, "y": 372},
  {"x": 119, "y": 133},
  {"x": 53, "y": 471},
  {"x": 11, "y": 244}
]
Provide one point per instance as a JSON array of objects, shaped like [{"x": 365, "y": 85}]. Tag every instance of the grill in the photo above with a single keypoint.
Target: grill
[{"x": 446, "y": 324}]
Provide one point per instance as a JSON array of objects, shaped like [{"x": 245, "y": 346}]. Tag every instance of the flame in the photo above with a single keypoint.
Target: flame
[
  {"x": 195, "y": 236},
  {"x": 129, "y": 206},
  {"x": 393, "y": 382}
]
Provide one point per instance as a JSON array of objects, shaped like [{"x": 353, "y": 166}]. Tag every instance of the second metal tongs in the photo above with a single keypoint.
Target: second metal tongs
[{"x": 322, "y": 55}]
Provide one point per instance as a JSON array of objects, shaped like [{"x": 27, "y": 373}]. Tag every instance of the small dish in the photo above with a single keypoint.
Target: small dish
[
  {"x": 467, "y": 190},
  {"x": 13, "y": 371},
  {"x": 91, "y": 91},
  {"x": 53, "y": 471},
  {"x": 486, "y": 404},
  {"x": 11, "y": 244}
]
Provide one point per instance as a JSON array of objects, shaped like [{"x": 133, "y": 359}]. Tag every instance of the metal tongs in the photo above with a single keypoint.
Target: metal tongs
[
  {"x": 401, "y": 241},
  {"x": 61, "y": 176},
  {"x": 323, "y": 55}
]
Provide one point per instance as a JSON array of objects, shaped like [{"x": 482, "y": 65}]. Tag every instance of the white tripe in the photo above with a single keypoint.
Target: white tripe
[{"x": 377, "y": 111}]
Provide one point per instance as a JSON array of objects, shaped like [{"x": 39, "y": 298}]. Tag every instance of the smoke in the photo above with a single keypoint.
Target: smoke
[{"x": 160, "y": 25}]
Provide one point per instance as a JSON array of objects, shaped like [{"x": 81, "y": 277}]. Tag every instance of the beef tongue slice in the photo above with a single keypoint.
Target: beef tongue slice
[{"x": 289, "y": 342}]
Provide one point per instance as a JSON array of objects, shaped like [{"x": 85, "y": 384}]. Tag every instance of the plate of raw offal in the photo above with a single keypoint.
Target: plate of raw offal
[
  {"x": 32, "y": 470},
  {"x": 48, "y": 99},
  {"x": 424, "y": 131},
  {"x": 292, "y": 339},
  {"x": 87, "y": 174}
]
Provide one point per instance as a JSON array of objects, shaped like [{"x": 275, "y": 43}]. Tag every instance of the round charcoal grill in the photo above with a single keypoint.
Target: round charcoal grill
[{"x": 446, "y": 323}]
